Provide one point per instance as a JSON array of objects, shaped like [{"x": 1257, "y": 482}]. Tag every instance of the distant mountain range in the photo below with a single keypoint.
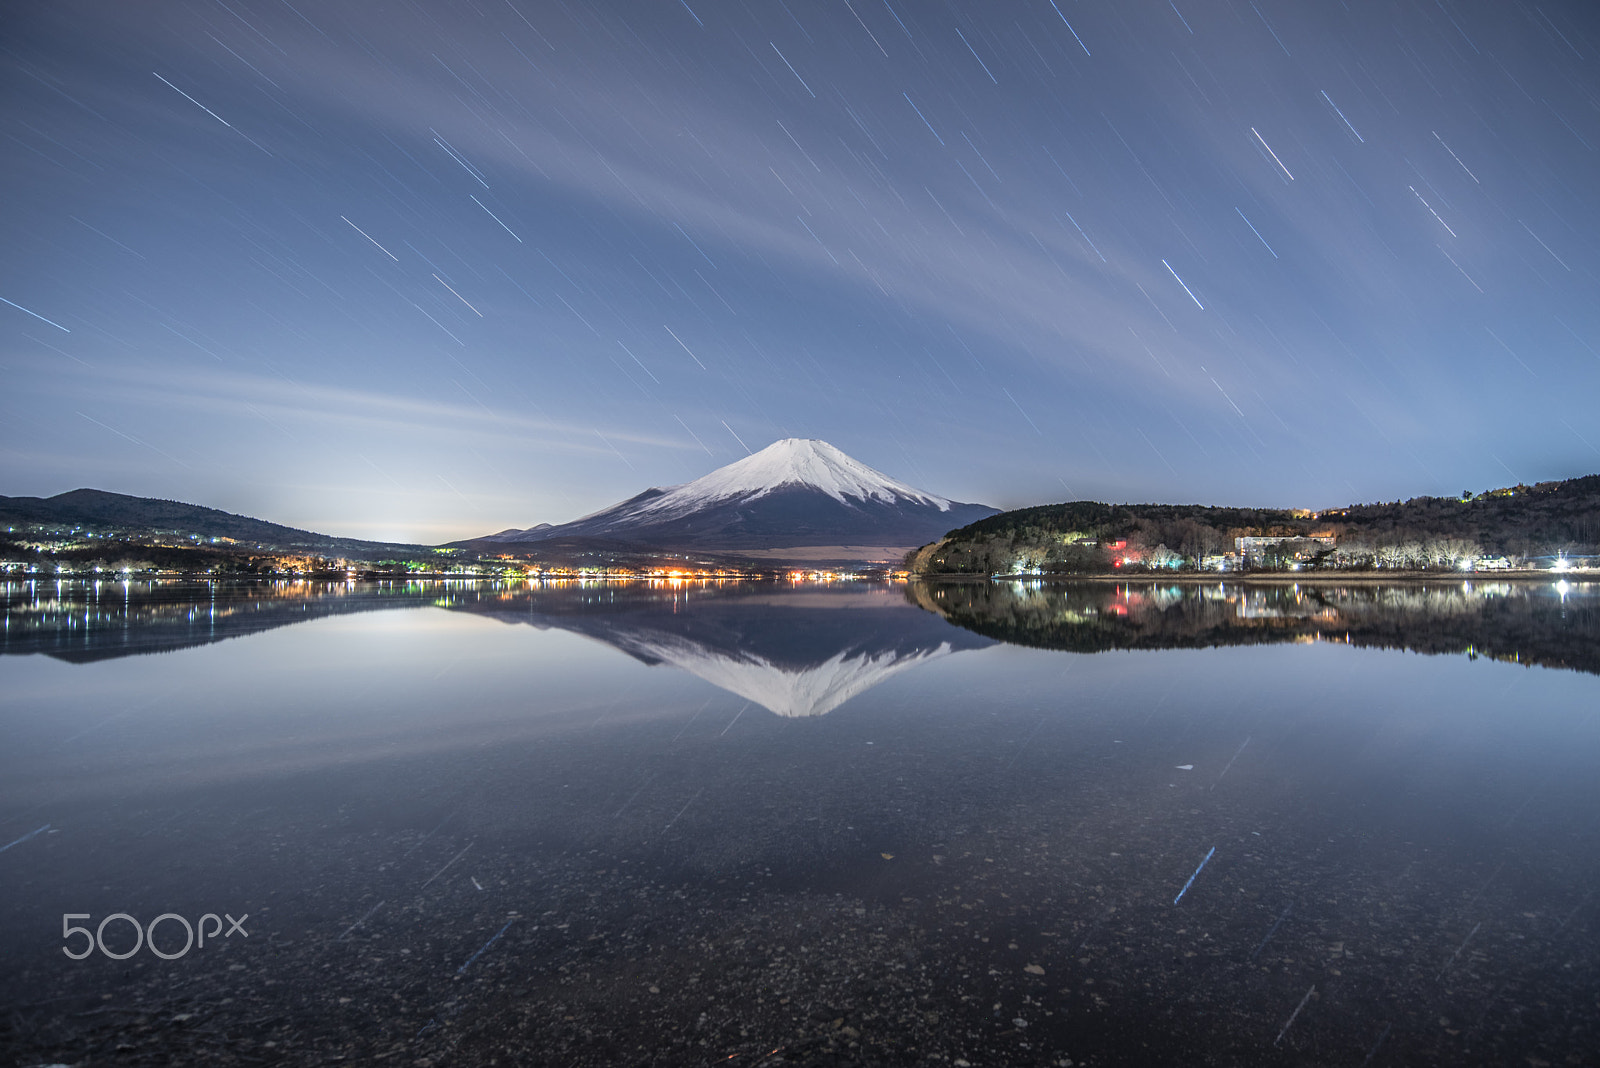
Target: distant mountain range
[
  {"x": 796, "y": 501},
  {"x": 803, "y": 502},
  {"x": 148, "y": 519},
  {"x": 795, "y": 493}
]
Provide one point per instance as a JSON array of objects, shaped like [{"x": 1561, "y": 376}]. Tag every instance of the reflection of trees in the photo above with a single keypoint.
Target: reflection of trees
[
  {"x": 1526, "y": 624},
  {"x": 83, "y": 621}
]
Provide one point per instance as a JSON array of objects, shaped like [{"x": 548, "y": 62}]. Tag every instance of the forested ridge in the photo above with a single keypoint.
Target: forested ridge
[{"x": 1521, "y": 524}]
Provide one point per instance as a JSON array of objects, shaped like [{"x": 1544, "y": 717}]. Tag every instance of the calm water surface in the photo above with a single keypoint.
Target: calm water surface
[{"x": 855, "y": 824}]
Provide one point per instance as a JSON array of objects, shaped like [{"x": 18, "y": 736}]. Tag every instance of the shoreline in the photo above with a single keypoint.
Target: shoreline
[
  {"x": 1279, "y": 578},
  {"x": 1187, "y": 578}
]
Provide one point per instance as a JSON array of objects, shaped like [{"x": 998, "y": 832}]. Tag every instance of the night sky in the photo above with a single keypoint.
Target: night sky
[{"x": 429, "y": 270}]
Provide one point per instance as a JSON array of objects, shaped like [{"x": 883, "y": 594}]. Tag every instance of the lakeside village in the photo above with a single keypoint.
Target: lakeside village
[
  {"x": 83, "y": 553},
  {"x": 1319, "y": 552},
  {"x": 79, "y": 552},
  {"x": 1528, "y": 530}
]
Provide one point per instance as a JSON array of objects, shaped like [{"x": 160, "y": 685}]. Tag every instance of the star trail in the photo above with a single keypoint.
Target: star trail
[{"x": 427, "y": 270}]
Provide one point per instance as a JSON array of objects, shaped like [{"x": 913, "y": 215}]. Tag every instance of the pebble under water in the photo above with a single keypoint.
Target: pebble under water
[{"x": 754, "y": 824}]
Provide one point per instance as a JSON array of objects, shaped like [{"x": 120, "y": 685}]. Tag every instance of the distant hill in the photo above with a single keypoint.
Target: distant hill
[
  {"x": 145, "y": 518},
  {"x": 794, "y": 493},
  {"x": 1522, "y": 523}
]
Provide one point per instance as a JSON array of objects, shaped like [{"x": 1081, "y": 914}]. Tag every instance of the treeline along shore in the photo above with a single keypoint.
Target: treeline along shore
[{"x": 1523, "y": 529}]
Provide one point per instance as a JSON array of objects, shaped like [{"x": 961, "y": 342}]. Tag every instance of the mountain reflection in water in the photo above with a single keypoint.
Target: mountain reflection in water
[
  {"x": 803, "y": 652},
  {"x": 795, "y": 652}
]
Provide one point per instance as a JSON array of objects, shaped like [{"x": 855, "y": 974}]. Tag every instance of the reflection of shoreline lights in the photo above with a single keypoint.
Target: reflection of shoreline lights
[
  {"x": 83, "y": 606},
  {"x": 797, "y": 577},
  {"x": 1563, "y": 588}
]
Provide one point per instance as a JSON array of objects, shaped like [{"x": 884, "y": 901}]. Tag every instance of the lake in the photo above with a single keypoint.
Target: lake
[{"x": 680, "y": 823}]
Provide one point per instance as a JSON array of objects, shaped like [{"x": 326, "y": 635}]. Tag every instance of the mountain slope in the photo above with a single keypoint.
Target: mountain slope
[
  {"x": 121, "y": 514},
  {"x": 795, "y": 492}
]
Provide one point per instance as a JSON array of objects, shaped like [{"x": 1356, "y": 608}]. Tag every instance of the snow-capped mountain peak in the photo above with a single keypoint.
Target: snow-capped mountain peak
[
  {"x": 792, "y": 462},
  {"x": 795, "y": 492}
]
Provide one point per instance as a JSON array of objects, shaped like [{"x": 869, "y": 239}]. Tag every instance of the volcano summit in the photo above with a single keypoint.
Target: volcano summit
[{"x": 794, "y": 493}]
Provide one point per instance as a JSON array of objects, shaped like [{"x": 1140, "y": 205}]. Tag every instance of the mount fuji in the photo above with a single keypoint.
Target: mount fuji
[{"x": 794, "y": 493}]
